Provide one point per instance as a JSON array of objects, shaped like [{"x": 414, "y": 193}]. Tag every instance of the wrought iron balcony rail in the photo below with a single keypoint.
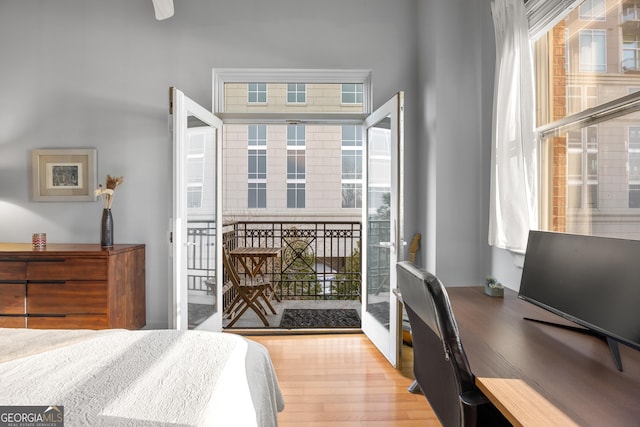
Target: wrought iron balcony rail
[{"x": 318, "y": 260}]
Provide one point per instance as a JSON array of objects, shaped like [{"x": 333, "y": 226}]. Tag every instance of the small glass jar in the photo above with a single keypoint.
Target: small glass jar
[{"x": 39, "y": 240}]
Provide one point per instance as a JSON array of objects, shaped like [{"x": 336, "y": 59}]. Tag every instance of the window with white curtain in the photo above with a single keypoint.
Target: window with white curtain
[{"x": 589, "y": 128}]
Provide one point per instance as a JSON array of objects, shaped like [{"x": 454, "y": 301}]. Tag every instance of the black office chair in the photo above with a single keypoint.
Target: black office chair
[{"x": 440, "y": 364}]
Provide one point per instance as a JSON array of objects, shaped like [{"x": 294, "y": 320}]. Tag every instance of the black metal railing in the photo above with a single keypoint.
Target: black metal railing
[
  {"x": 201, "y": 255},
  {"x": 318, "y": 260}
]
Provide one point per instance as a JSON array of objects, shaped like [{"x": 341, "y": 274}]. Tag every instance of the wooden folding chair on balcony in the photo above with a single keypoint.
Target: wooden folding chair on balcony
[{"x": 248, "y": 294}]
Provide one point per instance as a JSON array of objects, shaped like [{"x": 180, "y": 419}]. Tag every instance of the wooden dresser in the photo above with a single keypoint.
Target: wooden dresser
[{"x": 72, "y": 286}]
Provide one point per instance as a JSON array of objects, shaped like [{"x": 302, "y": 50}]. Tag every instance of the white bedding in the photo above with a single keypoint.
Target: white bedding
[{"x": 141, "y": 378}]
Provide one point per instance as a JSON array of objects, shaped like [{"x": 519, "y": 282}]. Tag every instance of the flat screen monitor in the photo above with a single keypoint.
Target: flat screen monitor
[{"x": 592, "y": 281}]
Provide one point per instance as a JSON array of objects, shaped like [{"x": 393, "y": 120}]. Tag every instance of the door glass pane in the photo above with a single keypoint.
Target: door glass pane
[
  {"x": 379, "y": 222},
  {"x": 201, "y": 224}
]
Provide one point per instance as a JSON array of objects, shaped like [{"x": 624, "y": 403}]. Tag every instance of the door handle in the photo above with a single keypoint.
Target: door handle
[{"x": 389, "y": 245}]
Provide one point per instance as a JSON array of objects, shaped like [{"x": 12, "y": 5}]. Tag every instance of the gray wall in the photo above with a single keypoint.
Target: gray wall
[
  {"x": 91, "y": 73},
  {"x": 457, "y": 62}
]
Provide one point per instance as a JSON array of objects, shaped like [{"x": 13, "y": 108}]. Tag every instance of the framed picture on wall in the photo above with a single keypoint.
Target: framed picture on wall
[{"x": 64, "y": 175}]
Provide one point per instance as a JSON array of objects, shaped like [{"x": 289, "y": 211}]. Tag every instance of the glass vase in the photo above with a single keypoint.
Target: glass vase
[{"x": 106, "y": 229}]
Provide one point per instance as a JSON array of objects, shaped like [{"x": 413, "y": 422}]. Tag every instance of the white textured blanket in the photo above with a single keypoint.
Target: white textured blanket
[{"x": 141, "y": 378}]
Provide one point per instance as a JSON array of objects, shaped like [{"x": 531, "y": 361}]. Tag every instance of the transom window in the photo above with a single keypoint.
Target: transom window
[{"x": 283, "y": 140}]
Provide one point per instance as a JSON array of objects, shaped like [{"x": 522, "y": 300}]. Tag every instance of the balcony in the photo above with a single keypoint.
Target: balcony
[
  {"x": 318, "y": 267},
  {"x": 630, "y": 19}
]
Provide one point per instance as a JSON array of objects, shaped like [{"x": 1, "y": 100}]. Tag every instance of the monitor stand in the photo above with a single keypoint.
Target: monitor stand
[{"x": 613, "y": 344}]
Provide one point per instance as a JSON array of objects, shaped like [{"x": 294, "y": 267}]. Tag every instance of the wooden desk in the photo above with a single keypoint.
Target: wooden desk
[{"x": 572, "y": 371}]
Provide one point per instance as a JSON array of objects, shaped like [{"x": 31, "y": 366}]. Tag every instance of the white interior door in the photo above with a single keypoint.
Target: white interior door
[
  {"x": 196, "y": 230},
  {"x": 383, "y": 231}
]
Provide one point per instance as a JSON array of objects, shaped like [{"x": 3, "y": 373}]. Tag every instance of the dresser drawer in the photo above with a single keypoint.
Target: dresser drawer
[
  {"x": 13, "y": 322},
  {"x": 67, "y": 269},
  {"x": 78, "y": 321},
  {"x": 12, "y": 298},
  {"x": 73, "y": 297},
  {"x": 13, "y": 270}
]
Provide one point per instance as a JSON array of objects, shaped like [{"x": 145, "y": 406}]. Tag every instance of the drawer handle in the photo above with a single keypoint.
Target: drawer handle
[
  {"x": 46, "y": 315},
  {"x": 13, "y": 315},
  {"x": 13, "y": 282},
  {"x": 53, "y": 282},
  {"x": 45, "y": 259}
]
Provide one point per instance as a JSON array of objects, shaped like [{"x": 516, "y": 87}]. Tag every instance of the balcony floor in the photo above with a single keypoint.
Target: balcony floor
[{"x": 250, "y": 320}]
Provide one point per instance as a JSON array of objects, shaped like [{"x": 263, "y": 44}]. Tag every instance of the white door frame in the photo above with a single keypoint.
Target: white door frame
[
  {"x": 388, "y": 341},
  {"x": 181, "y": 107}
]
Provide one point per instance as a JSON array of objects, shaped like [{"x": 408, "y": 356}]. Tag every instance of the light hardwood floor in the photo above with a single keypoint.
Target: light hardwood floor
[{"x": 343, "y": 381}]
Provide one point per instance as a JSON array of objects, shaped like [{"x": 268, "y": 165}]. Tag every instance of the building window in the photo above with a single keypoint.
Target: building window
[
  {"x": 195, "y": 170},
  {"x": 593, "y": 54},
  {"x": 592, "y": 10},
  {"x": 631, "y": 52},
  {"x": 296, "y": 136},
  {"x": 257, "y": 93},
  {"x": 634, "y": 167},
  {"x": 352, "y": 93},
  {"x": 257, "y": 166},
  {"x": 296, "y": 93},
  {"x": 582, "y": 168},
  {"x": 351, "y": 166},
  {"x": 296, "y": 166},
  {"x": 580, "y": 98},
  {"x": 295, "y": 195},
  {"x": 257, "y": 195}
]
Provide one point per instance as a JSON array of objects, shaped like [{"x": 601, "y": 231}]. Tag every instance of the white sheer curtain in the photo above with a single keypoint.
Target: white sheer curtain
[{"x": 514, "y": 203}]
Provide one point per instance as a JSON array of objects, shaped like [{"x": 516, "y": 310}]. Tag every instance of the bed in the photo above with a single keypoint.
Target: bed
[{"x": 140, "y": 378}]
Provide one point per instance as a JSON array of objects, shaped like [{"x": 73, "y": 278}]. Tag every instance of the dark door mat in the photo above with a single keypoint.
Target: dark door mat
[{"x": 295, "y": 318}]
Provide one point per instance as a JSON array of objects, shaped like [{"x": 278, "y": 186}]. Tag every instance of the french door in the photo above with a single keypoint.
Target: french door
[
  {"x": 195, "y": 301},
  {"x": 383, "y": 226}
]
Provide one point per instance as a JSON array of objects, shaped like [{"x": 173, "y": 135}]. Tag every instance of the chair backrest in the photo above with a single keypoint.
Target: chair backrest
[
  {"x": 230, "y": 269},
  {"x": 440, "y": 363}
]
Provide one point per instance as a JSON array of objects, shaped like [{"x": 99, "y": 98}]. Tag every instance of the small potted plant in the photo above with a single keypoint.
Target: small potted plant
[{"x": 493, "y": 288}]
